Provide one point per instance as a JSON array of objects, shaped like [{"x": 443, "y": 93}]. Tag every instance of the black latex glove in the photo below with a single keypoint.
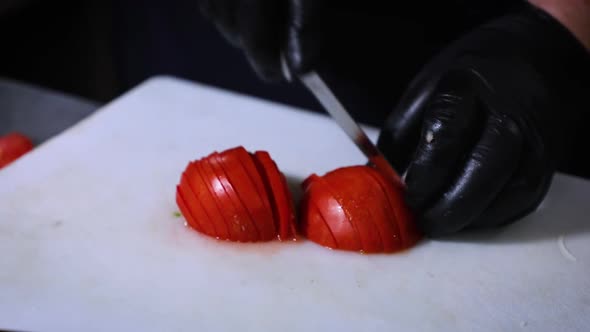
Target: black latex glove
[
  {"x": 355, "y": 39},
  {"x": 298, "y": 29},
  {"x": 354, "y": 45},
  {"x": 484, "y": 126}
]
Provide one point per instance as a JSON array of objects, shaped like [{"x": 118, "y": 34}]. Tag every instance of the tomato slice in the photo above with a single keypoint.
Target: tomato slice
[
  {"x": 223, "y": 203},
  {"x": 391, "y": 234},
  {"x": 12, "y": 147},
  {"x": 241, "y": 216},
  {"x": 385, "y": 217},
  {"x": 331, "y": 210},
  {"x": 292, "y": 208},
  {"x": 245, "y": 189},
  {"x": 186, "y": 212},
  {"x": 238, "y": 196},
  {"x": 211, "y": 203},
  {"x": 248, "y": 163},
  {"x": 315, "y": 227},
  {"x": 354, "y": 192},
  {"x": 348, "y": 211},
  {"x": 279, "y": 195},
  {"x": 198, "y": 198},
  {"x": 408, "y": 231}
]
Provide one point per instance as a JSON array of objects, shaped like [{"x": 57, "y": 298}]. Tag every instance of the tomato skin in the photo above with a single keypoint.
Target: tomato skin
[
  {"x": 241, "y": 219},
  {"x": 354, "y": 197},
  {"x": 331, "y": 210},
  {"x": 240, "y": 196},
  {"x": 201, "y": 203},
  {"x": 12, "y": 147},
  {"x": 279, "y": 195},
  {"x": 363, "y": 208},
  {"x": 188, "y": 213},
  {"x": 245, "y": 187},
  {"x": 408, "y": 229},
  {"x": 237, "y": 196},
  {"x": 314, "y": 225}
]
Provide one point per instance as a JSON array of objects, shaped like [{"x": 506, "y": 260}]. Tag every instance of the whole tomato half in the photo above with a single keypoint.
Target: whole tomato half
[{"x": 357, "y": 208}]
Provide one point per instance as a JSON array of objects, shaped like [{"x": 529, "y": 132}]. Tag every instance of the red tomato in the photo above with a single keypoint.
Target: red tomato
[
  {"x": 315, "y": 226},
  {"x": 237, "y": 196},
  {"x": 245, "y": 188},
  {"x": 279, "y": 195},
  {"x": 12, "y": 147},
  {"x": 357, "y": 208}
]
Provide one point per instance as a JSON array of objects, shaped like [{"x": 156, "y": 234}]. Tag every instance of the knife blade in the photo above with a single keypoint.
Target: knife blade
[
  {"x": 328, "y": 100},
  {"x": 314, "y": 83},
  {"x": 332, "y": 105}
]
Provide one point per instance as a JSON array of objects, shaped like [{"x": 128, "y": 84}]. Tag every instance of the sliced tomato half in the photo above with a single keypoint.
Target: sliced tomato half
[{"x": 237, "y": 196}]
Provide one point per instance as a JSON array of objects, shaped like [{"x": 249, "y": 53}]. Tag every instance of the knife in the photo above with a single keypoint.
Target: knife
[
  {"x": 328, "y": 100},
  {"x": 321, "y": 91}
]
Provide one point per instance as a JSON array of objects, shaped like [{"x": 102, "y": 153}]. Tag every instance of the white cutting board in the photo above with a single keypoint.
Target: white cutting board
[{"x": 89, "y": 240}]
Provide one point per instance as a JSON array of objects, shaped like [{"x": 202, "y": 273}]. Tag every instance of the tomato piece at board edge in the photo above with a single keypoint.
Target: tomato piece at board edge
[{"x": 13, "y": 146}]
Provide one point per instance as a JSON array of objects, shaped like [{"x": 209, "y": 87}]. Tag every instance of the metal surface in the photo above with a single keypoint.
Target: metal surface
[{"x": 328, "y": 100}]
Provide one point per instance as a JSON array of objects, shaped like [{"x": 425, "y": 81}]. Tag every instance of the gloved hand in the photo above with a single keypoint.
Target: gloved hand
[
  {"x": 352, "y": 38},
  {"x": 484, "y": 126},
  {"x": 301, "y": 30},
  {"x": 354, "y": 45}
]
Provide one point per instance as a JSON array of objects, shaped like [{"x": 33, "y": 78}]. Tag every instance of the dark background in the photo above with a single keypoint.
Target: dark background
[{"x": 100, "y": 49}]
